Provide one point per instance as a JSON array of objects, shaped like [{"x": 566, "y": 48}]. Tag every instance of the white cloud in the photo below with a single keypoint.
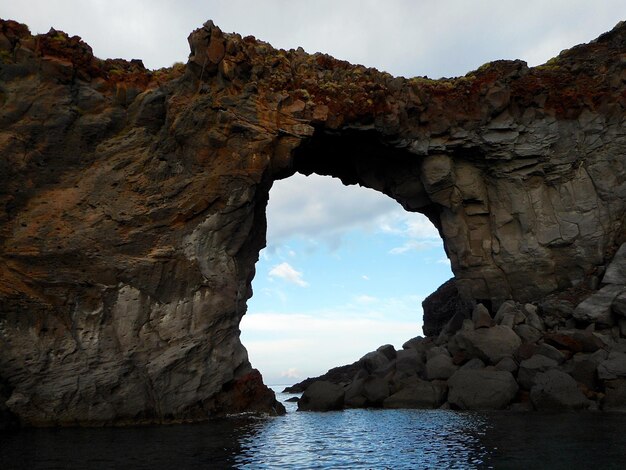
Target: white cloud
[
  {"x": 365, "y": 299},
  {"x": 291, "y": 373},
  {"x": 365, "y": 278},
  {"x": 286, "y": 272},
  {"x": 414, "y": 245},
  {"x": 316, "y": 341},
  {"x": 408, "y": 36},
  {"x": 321, "y": 206}
]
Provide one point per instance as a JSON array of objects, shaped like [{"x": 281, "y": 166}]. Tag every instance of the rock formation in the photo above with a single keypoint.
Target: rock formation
[{"x": 132, "y": 202}]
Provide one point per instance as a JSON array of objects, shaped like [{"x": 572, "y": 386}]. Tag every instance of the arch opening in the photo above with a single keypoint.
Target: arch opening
[{"x": 346, "y": 268}]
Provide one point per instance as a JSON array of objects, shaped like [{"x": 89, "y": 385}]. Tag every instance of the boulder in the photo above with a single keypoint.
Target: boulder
[
  {"x": 619, "y": 304},
  {"x": 408, "y": 362},
  {"x": 441, "y": 306},
  {"x": 597, "y": 307},
  {"x": 584, "y": 368},
  {"x": 551, "y": 352},
  {"x": 613, "y": 367},
  {"x": 481, "y": 317},
  {"x": 440, "y": 367},
  {"x": 472, "y": 364},
  {"x": 374, "y": 361},
  {"x": 418, "y": 394},
  {"x": 354, "y": 394},
  {"x": 487, "y": 344},
  {"x": 616, "y": 271},
  {"x": 388, "y": 351},
  {"x": 508, "y": 364},
  {"x": 615, "y": 395},
  {"x": 322, "y": 396},
  {"x": 532, "y": 318},
  {"x": 375, "y": 390},
  {"x": 481, "y": 389},
  {"x": 529, "y": 368},
  {"x": 510, "y": 312},
  {"x": 555, "y": 390},
  {"x": 574, "y": 340},
  {"x": 437, "y": 351},
  {"x": 527, "y": 333}
]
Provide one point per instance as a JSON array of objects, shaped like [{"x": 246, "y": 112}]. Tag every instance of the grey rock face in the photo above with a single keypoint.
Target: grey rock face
[
  {"x": 137, "y": 280},
  {"x": 555, "y": 390},
  {"x": 481, "y": 389}
]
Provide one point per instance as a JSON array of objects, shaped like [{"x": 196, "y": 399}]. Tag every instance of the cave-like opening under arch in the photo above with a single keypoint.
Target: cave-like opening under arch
[{"x": 358, "y": 158}]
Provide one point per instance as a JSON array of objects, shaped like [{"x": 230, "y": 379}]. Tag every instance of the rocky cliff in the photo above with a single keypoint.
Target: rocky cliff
[{"x": 132, "y": 202}]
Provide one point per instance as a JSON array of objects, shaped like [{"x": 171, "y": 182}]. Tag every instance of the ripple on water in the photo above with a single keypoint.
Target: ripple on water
[{"x": 352, "y": 439}]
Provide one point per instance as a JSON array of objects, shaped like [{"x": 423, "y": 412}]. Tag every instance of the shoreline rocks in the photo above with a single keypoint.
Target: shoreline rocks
[{"x": 491, "y": 363}]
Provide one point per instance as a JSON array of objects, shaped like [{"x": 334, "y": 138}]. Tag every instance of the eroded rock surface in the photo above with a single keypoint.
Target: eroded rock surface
[{"x": 132, "y": 202}]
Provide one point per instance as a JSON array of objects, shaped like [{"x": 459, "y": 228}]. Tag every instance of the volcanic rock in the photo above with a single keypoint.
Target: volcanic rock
[
  {"x": 322, "y": 396},
  {"x": 481, "y": 389},
  {"x": 132, "y": 203}
]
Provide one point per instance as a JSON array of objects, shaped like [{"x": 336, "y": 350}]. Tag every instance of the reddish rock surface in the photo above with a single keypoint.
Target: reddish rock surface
[{"x": 132, "y": 202}]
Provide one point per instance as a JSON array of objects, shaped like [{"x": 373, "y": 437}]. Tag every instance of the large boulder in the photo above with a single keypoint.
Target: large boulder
[
  {"x": 597, "y": 307},
  {"x": 613, "y": 367},
  {"x": 489, "y": 344},
  {"x": 481, "y": 317},
  {"x": 575, "y": 341},
  {"x": 440, "y": 367},
  {"x": 418, "y": 394},
  {"x": 481, "y": 389},
  {"x": 443, "y": 304},
  {"x": 615, "y": 395},
  {"x": 584, "y": 367},
  {"x": 556, "y": 390},
  {"x": 408, "y": 363},
  {"x": 322, "y": 396},
  {"x": 529, "y": 368},
  {"x": 375, "y": 390},
  {"x": 616, "y": 271}
]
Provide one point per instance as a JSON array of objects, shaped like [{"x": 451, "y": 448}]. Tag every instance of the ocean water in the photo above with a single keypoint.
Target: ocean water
[{"x": 351, "y": 439}]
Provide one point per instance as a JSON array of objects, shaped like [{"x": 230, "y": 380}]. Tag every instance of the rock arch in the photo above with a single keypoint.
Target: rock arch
[{"x": 134, "y": 200}]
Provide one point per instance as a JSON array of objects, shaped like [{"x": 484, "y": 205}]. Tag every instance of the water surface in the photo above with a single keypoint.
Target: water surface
[{"x": 352, "y": 439}]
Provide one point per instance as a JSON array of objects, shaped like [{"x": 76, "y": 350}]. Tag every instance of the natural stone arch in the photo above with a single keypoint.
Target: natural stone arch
[{"x": 134, "y": 201}]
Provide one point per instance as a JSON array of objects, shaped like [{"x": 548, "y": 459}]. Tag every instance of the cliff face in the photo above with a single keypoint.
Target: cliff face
[{"x": 132, "y": 202}]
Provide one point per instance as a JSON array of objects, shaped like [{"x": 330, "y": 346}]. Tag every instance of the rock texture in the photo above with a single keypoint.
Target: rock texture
[{"x": 132, "y": 202}]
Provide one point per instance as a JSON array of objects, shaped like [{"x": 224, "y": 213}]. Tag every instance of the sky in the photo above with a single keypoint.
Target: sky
[{"x": 345, "y": 269}]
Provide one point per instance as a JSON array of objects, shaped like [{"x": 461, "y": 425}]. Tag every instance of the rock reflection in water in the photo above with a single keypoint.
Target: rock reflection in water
[{"x": 354, "y": 439}]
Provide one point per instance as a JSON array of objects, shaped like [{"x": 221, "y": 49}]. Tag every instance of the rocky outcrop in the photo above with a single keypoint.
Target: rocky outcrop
[
  {"x": 482, "y": 367},
  {"x": 132, "y": 202}
]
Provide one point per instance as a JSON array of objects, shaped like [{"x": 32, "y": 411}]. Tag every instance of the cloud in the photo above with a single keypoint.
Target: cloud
[
  {"x": 317, "y": 206},
  {"x": 291, "y": 373},
  {"x": 365, "y": 278},
  {"x": 314, "y": 342},
  {"x": 286, "y": 272},
  {"x": 402, "y": 37},
  {"x": 414, "y": 245},
  {"x": 365, "y": 299}
]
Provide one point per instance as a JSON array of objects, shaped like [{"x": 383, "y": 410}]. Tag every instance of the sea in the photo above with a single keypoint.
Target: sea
[{"x": 349, "y": 439}]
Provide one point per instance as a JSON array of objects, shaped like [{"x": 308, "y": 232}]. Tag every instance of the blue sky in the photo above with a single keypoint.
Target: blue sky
[{"x": 345, "y": 269}]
